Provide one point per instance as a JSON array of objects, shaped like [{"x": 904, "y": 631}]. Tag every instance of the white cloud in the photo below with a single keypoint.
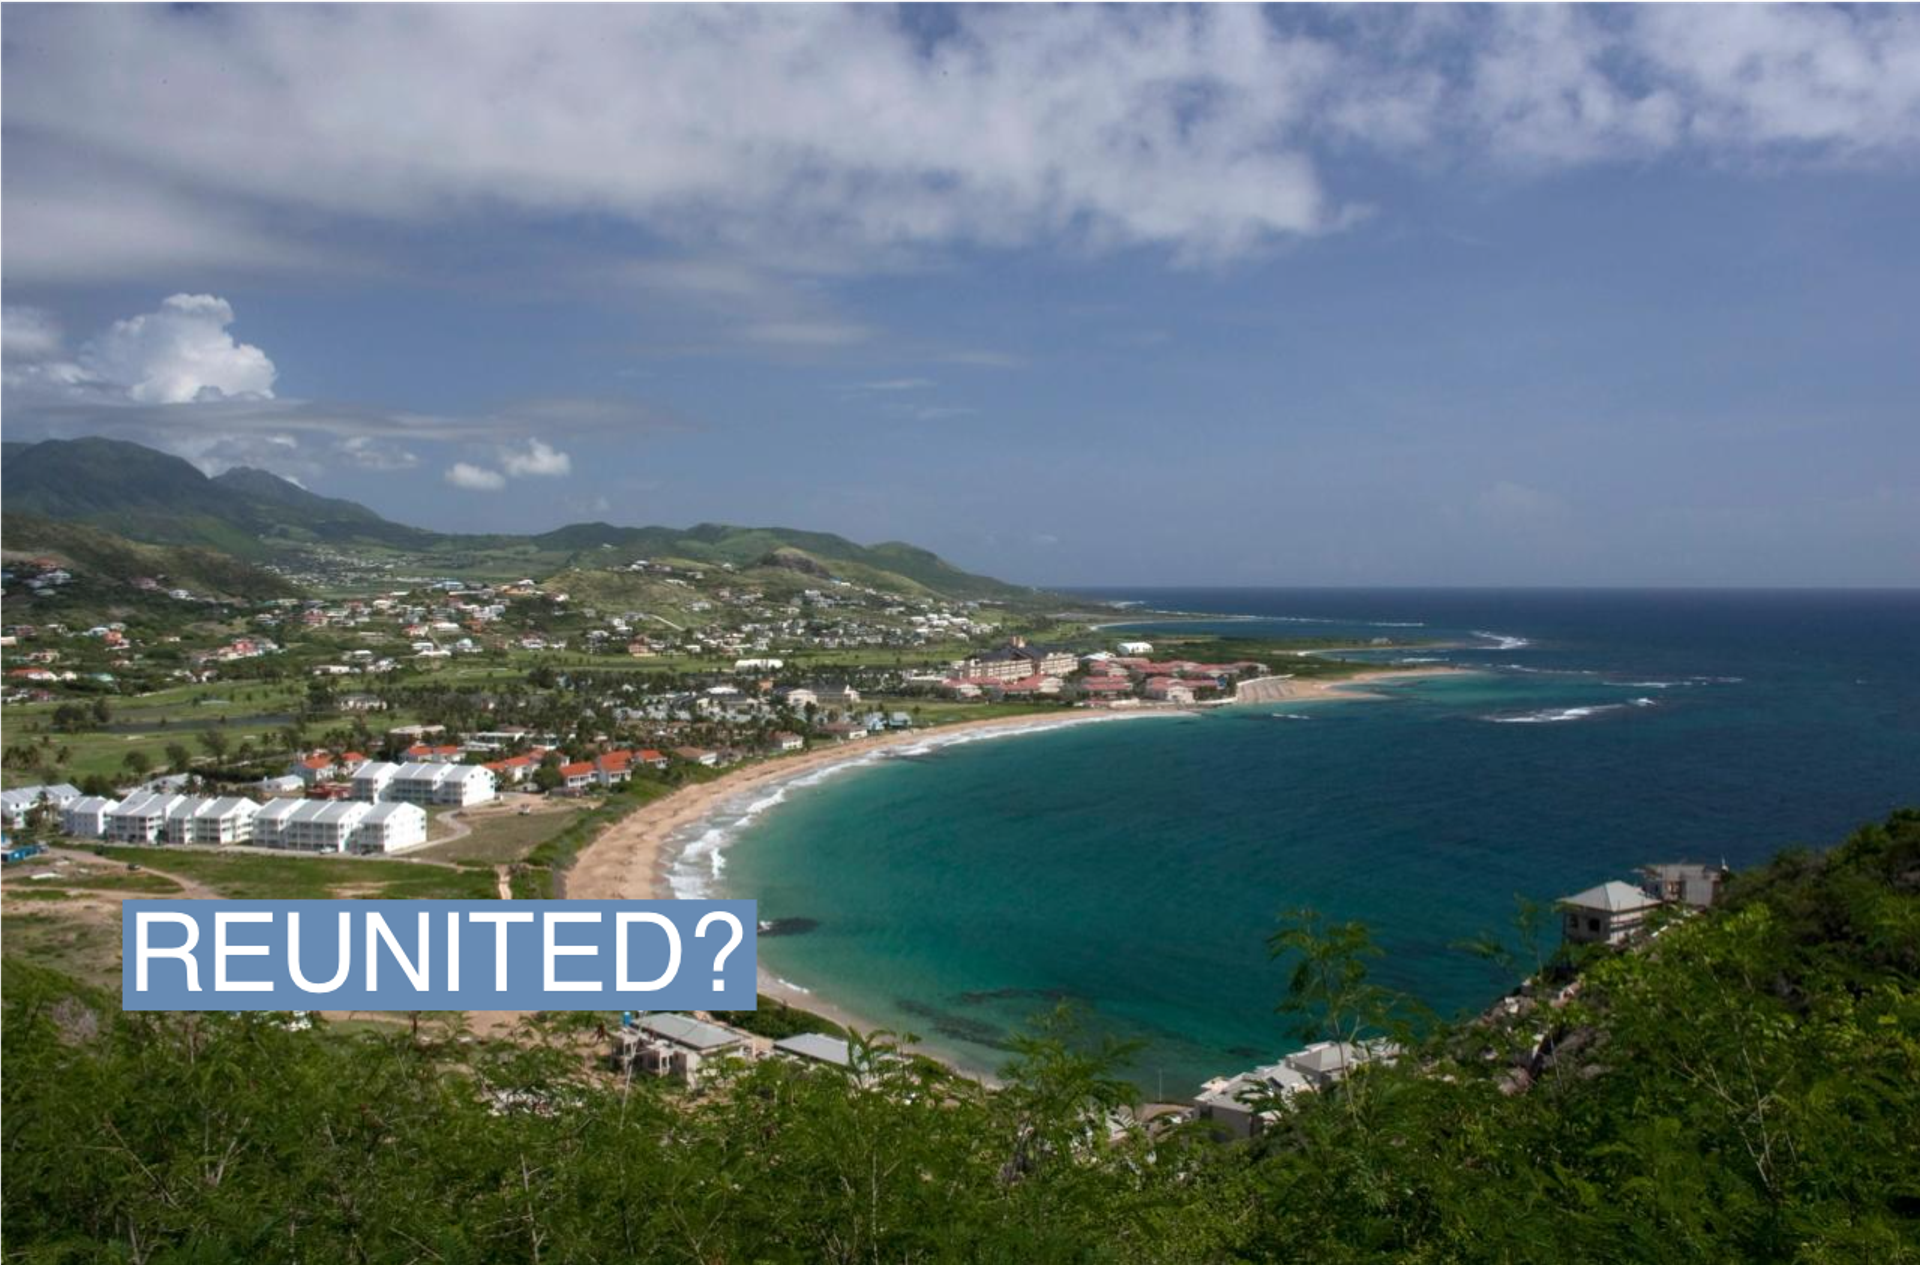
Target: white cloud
[
  {"x": 886, "y": 385},
  {"x": 369, "y": 453},
  {"x": 475, "y": 478},
  {"x": 29, "y": 334},
  {"x": 539, "y": 459},
  {"x": 179, "y": 354},
  {"x": 835, "y": 136}
]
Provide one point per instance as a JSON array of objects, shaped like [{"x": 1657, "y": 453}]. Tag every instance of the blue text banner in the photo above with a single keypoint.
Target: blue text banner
[{"x": 438, "y": 954}]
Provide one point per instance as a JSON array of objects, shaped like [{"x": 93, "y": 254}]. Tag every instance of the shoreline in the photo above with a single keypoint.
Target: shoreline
[{"x": 633, "y": 859}]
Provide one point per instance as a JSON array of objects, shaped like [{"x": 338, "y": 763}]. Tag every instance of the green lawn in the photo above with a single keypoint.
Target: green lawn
[
  {"x": 499, "y": 838},
  {"x": 297, "y": 876}
]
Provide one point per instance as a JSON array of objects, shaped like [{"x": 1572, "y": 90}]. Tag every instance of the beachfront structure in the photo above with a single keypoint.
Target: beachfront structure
[
  {"x": 1608, "y": 914},
  {"x": 815, "y": 1047},
  {"x": 1015, "y": 661},
  {"x": 309, "y": 825},
  {"x": 674, "y": 1045},
  {"x": 17, "y": 804},
  {"x": 1242, "y": 1105},
  {"x": 390, "y": 827},
  {"x": 1682, "y": 882},
  {"x": 86, "y": 817},
  {"x": 784, "y": 741},
  {"x": 1167, "y": 689},
  {"x": 698, "y": 755}
]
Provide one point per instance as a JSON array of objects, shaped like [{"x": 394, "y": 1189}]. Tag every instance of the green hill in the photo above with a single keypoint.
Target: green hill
[
  {"x": 147, "y": 496},
  {"x": 96, "y": 554}
]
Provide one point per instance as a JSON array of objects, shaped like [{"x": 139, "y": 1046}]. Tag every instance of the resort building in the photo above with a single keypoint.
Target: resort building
[
  {"x": 1167, "y": 689},
  {"x": 784, "y": 741},
  {"x": 435, "y": 783},
  {"x": 796, "y": 699},
  {"x": 227, "y": 820},
  {"x": 309, "y": 825},
  {"x": 140, "y": 818},
  {"x": 1016, "y": 660},
  {"x": 1607, "y": 914},
  {"x": 391, "y": 827},
  {"x": 838, "y": 697},
  {"x": 86, "y": 817},
  {"x": 370, "y": 780}
]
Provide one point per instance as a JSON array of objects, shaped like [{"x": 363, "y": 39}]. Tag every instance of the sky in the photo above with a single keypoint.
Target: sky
[{"x": 1393, "y": 295}]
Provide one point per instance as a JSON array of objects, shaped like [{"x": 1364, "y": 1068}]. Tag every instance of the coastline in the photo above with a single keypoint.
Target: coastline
[{"x": 634, "y": 858}]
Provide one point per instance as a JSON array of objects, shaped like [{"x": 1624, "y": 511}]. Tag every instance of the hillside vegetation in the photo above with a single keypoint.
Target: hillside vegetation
[
  {"x": 99, "y": 555},
  {"x": 1745, "y": 1088},
  {"x": 153, "y": 497}
]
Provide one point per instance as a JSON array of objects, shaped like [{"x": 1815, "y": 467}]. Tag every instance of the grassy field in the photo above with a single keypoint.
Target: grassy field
[
  {"x": 86, "y": 948},
  {"x": 93, "y": 879},
  {"x": 296, "y": 876},
  {"x": 499, "y": 838}
]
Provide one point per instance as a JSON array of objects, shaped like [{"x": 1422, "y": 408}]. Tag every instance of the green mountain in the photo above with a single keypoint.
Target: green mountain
[{"x": 147, "y": 496}]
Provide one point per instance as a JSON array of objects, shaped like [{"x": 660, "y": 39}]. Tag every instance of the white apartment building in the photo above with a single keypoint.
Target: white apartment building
[
  {"x": 141, "y": 818},
  {"x": 391, "y": 827},
  {"x": 460, "y": 784},
  {"x": 16, "y": 804},
  {"x": 226, "y": 820},
  {"x": 370, "y": 780},
  {"x": 86, "y": 817},
  {"x": 312, "y": 825}
]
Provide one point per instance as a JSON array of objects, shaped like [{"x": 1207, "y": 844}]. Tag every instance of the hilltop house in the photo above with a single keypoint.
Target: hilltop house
[
  {"x": 1607, "y": 914},
  {"x": 1244, "y": 1104},
  {"x": 1682, "y": 882}
]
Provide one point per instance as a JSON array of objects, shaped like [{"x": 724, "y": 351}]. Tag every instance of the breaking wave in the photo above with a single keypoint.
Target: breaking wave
[
  {"x": 699, "y": 850},
  {"x": 1561, "y": 715}
]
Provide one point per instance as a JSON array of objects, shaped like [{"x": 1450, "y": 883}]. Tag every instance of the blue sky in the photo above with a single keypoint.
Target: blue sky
[{"x": 1387, "y": 296}]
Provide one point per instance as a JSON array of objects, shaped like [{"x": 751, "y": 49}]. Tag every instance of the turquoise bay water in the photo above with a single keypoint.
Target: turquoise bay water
[{"x": 1136, "y": 867}]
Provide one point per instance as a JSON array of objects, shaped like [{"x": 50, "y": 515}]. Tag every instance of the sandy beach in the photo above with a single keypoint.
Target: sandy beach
[{"x": 631, "y": 860}]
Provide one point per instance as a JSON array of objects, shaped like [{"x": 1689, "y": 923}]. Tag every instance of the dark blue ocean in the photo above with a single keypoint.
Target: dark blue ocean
[{"x": 1136, "y": 867}]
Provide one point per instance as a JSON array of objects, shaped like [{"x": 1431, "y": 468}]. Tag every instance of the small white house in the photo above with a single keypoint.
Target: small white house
[{"x": 1607, "y": 914}]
